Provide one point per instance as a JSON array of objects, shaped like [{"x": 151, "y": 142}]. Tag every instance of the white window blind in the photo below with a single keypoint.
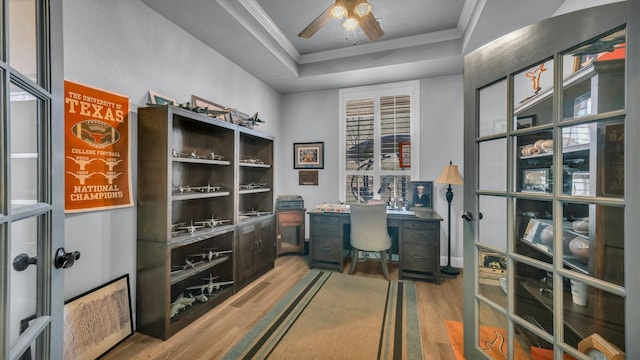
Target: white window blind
[{"x": 377, "y": 125}]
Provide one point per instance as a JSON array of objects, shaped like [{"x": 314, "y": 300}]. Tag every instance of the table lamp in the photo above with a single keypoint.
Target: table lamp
[{"x": 450, "y": 176}]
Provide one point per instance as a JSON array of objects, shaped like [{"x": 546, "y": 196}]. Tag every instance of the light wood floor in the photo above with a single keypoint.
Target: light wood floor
[{"x": 212, "y": 335}]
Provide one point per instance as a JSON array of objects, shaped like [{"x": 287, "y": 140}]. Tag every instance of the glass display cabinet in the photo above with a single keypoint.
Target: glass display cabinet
[{"x": 551, "y": 187}]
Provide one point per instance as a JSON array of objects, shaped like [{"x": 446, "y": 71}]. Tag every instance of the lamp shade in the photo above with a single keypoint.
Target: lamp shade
[{"x": 450, "y": 175}]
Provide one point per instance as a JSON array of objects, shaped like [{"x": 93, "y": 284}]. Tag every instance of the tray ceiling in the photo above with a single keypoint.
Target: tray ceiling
[{"x": 422, "y": 38}]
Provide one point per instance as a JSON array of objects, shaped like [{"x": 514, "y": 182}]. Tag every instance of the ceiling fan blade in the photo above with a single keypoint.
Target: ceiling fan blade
[
  {"x": 316, "y": 24},
  {"x": 371, "y": 27}
]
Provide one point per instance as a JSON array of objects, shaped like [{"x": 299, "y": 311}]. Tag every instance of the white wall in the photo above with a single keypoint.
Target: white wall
[
  {"x": 313, "y": 116},
  {"x": 124, "y": 47}
]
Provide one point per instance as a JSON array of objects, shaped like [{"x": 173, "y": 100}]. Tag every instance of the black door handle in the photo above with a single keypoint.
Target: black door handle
[
  {"x": 65, "y": 259},
  {"x": 22, "y": 261},
  {"x": 469, "y": 216}
]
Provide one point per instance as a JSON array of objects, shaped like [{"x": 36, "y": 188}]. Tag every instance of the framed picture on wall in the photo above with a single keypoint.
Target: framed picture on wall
[
  {"x": 308, "y": 155},
  {"x": 420, "y": 194}
]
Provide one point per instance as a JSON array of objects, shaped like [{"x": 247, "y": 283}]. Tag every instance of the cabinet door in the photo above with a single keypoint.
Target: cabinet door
[
  {"x": 247, "y": 251},
  {"x": 266, "y": 245}
]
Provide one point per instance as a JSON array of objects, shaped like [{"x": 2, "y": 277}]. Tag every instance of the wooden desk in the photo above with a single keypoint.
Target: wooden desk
[{"x": 415, "y": 239}]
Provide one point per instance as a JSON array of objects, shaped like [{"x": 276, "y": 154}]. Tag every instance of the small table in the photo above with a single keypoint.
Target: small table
[{"x": 290, "y": 230}]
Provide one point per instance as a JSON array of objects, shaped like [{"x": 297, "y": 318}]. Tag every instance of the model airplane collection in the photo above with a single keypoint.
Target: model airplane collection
[
  {"x": 252, "y": 161},
  {"x": 180, "y": 303},
  {"x": 210, "y": 254},
  {"x": 186, "y": 189},
  {"x": 237, "y": 117},
  {"x": 210, "y": 287},
  {"x": 212, "y": 222},
  {"x": 255, "y": 213},
  {"x": 188, "y": 264},
  {"x": 194, "y": 155},
  {"x": 200, "y": 293},
  {"x": 182, "y": 228},
  {"x": 253, "y": 186}
]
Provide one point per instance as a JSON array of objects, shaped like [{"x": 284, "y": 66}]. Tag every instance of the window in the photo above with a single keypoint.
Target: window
[{"x": 377, "y": 124}]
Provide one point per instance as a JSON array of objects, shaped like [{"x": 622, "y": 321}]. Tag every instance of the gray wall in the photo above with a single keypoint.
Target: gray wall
[
  {"x": 130, "y": 49},
  {"x": 313, "y": 116},
  {"x": 124, "y": 47}
]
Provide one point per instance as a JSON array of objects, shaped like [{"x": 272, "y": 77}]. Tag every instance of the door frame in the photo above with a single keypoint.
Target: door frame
[{"x": 50, "y": 210}]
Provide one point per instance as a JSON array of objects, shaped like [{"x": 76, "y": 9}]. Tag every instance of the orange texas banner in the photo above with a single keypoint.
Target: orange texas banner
[{"x": 97, "y": 149}]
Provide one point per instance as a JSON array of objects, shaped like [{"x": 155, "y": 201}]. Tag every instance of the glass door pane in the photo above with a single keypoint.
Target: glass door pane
[
  {"x": 533, "y": 95},
  {"x": 24, "y": 148},
  {"x": 23, "y": 44}
]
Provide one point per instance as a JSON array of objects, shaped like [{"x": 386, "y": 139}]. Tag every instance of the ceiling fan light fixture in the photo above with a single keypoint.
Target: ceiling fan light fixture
[
  {"x": 363, "y": 8},
  {"x": 350, "y": 24},
  {"x": 338, "y": 11}
]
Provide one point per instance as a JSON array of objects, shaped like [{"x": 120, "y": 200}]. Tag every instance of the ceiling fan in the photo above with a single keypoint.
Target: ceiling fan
[{"x": 355, "y": 12}]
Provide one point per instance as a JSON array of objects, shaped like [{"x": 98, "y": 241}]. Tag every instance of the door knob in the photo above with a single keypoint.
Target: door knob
[
  {"x": 22, "y": 261},
  {"x": 65, "y": 259},
  {"x": 469, "y": 216}
]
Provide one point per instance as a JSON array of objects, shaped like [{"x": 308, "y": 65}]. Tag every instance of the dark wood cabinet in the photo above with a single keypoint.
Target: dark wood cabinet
[
  {"x": 205, "y": 215},
  {"x": 290, "y": 230},
  {"x": 256, "y": 249},
  {"x": 183, "y": 190}
]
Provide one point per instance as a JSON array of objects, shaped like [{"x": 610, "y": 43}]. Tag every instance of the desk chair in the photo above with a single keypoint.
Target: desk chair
[{"x": 369, "y": 232}]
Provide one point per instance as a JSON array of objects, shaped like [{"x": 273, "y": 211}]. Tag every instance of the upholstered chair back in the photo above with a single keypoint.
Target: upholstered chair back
[{"x": 369, "y": 226}]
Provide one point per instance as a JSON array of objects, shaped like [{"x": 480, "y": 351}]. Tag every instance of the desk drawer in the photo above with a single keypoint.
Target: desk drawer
[
  {"x": 325, "y": 219},
  {"x": 420, "y": 225},
  {"x": 291, "y": 219},
  {"x": 291, "y": 216},
  {"x": 419, "y": 257},
  {"x": 326, "y": 249},
  {"x": 419, "y": 237},
  {"x": 324, "y": 231}
]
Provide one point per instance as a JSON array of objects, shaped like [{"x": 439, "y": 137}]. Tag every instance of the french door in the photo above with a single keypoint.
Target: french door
[
  {"x": 552, "y": 120},
  {"x": 31, "y": 179}
]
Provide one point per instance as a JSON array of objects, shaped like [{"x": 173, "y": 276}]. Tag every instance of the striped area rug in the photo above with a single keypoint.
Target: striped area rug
[{"x": 329, "y": 315}]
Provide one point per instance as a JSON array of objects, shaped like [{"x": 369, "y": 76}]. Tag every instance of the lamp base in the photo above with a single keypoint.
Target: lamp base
[{"x": 449, "y": 270}]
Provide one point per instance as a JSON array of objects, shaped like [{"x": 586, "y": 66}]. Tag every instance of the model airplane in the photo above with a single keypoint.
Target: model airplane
[
  {"x": 252, "y": 161},
  {"x": 191, "y": 228},
  {"x": 243, "y": 119},
  {"x": 250, "y": 122},
  {"x": 182, "y": 189},
  {"x": 206, "y": 188},
  {"x": 253, "y": 185},
  {"x": 210, "y": 287},
  {"x": 214, "y": 156},
  {"x": 176, "y": 153},
  {"x": 212, "y": 222},
  {"x": 181, "y": 303},
  {"x": 255, "y": 213},
  {"x": 210, "y": 254},
  {"x": 188, "y": 264}
]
